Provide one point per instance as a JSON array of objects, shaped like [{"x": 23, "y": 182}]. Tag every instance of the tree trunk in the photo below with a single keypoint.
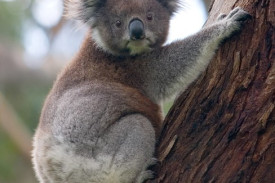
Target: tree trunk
[
  {"x": 222, "y": 129},
  {"x": 207, "y": 3}
]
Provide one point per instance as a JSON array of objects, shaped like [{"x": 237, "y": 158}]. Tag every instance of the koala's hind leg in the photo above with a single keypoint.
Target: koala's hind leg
[{"x": 131, "y": 144}]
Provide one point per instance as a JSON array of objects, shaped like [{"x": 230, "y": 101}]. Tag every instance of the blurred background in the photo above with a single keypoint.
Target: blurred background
[{"x": 36, "y": 41}]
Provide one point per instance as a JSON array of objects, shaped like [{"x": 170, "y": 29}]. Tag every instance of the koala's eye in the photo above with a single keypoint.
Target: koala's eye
[
  {"x": 118, "y": 23},
  {"x": 149, "y": 16}
]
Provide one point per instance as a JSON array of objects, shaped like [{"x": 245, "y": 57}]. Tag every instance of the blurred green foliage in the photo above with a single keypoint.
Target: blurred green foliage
[
  {"x": 25, "y": 98},
  {"x": 167, "y": 105},
  {"x": 14, "y": 168},
  {"x": 8, "y": 153},
  {"x": 11, "y": 16},
  {"x": 27, "y": 101}
]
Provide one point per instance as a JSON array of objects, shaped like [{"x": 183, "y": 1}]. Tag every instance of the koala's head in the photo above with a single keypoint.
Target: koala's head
[{"x": 125, "y": 27}]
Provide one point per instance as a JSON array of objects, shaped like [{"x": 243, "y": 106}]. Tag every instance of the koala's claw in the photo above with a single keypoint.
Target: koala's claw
[
  {"x": 221, "y": 16},
  {"x": 234, "y": 12},
  {"x": 237, "y": 14},
  {"x": 145, "y": 175}
]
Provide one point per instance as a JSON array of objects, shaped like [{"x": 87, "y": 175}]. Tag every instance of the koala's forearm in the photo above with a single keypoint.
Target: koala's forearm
[
  {"x": 177, "y": 65},
  {"x": 180, "y": 63}
]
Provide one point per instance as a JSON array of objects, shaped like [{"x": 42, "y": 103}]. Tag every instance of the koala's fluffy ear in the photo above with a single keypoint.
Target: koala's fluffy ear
[
  {"x": 83, "y": 10},
  {"x": 171, "y": 5}
]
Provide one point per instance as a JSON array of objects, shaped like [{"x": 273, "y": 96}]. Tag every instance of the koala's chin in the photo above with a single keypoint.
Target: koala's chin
[{"x": 138, "y": 47}]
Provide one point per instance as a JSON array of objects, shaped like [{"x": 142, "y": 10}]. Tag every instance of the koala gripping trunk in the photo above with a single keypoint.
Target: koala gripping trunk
[{"x": 222, "y": 128}]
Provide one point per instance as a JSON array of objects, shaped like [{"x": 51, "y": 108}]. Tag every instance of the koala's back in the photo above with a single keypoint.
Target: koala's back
[{"x": 86, "y": 134}]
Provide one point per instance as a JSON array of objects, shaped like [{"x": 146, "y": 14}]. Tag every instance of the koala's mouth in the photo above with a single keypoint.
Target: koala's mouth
[{"x": 137, "y": 47}]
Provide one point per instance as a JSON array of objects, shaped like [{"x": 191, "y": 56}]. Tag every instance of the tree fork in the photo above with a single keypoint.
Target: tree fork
[{"x": 222, "y": 129}]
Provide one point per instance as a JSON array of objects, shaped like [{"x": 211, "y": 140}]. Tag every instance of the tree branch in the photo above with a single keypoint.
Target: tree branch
[{"x": 14, "y": 127}]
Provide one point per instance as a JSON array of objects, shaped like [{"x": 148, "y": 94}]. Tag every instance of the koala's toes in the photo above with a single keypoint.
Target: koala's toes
[
  {"x": 221, "y": 16},
  {"x": 153, "y": 161},
  {"x": 145, "y": 175},
  {"x": 238, "y": 14},
  {"x": 233, "y": 12}
]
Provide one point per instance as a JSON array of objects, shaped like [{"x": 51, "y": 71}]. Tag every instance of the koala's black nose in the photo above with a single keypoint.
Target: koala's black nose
[{"x": 136, "y": 29}]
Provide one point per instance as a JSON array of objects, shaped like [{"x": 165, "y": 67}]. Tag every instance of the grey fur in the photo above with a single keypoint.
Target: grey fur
[
  {"x": 101, "y": 120},
  {"x": 180, "y": 63}
]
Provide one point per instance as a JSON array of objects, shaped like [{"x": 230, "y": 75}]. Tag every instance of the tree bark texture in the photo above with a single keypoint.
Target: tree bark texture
[{"x": 222, "y": 129}]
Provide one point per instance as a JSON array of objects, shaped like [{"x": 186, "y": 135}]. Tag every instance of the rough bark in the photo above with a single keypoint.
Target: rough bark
[
  {"x": 207, "y": 3},
  {"x": 222, "y": 129}
]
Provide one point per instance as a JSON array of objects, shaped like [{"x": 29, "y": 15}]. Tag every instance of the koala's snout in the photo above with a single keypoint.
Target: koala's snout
[{"x": 136, "y": 29}]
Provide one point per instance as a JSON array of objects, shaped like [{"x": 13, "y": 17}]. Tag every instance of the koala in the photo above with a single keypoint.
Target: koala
[{"x": 102, "y": 118}]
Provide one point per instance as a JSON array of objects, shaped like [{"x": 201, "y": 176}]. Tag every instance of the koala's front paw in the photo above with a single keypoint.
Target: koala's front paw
[
  {"x": 233, "y": 21},
  {"x": 237, "y": 14}
]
